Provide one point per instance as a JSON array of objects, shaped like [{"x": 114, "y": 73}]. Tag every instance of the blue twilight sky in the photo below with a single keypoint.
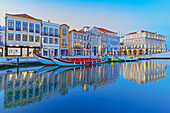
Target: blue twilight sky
[{"x": 117, "y": 15}]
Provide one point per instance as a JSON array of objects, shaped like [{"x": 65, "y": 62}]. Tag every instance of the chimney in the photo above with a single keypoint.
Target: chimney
[{"x": 49, "y": 21}]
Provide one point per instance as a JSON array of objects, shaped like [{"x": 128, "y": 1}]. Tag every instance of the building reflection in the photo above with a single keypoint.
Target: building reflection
[
  {"x": 28, "y": 87},
  {"x": 142, "y": 72}
]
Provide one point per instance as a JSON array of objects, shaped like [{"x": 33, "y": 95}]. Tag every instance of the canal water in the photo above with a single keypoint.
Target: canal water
[{"x": 133, "y": 87}]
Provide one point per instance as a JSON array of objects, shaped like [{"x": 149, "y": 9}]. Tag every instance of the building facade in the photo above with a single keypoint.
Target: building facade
[
  {"x": 64, "y": 40},
  {"x": 2, "y": 43},
  {"x": 80, "y": 42},
  {"x": 95, "y": 41},
  {"x": 50, "y": 39},
  {"x": 104, "y": 41},
  {"x": 22, "y": 35},
  {"x": 144, "y": 42}
]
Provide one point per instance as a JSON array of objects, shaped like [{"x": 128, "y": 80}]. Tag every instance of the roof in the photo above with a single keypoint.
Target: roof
[
  {"x": 65, "y": 25},
  {"x": 105, "y": 30},
  {"x": 74, "y": 30},
  {"x": 23, "y": 16},
  {"x": 144, "y": 31}
]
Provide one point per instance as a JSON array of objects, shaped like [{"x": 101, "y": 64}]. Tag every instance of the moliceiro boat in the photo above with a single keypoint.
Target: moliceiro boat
[{"x": 70, "y": 61}]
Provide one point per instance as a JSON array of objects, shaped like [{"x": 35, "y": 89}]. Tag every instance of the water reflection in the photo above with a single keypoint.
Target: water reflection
[
  {"x": 143, "y": 72},
  {"x": 22, "y": 88}
]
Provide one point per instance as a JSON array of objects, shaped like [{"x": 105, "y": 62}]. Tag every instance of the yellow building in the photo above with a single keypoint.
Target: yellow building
[{"x": 64, "y": 40}]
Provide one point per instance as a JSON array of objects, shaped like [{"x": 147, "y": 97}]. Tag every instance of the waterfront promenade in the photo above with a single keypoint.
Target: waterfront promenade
[{"x": 13, "y": 60}]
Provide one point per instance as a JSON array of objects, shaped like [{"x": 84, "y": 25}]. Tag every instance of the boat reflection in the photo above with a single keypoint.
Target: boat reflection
[{"x": 142, "y": 72}]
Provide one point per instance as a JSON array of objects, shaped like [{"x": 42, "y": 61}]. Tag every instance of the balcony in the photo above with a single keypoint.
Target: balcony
[
  {"x": 10, "y": 28},
  {"x": 63, "y": 44},
  {"x": 57, "y": 35},
  {"x": 51, "y": 35},
  {"x": 78, "y": 47},
  {"x": 37, "y": 31},
  {"x": 31, "y": 30},
  {"x": 25, "y": 29},
  {"x": 18, "y": 29},
  {"x": 45, "y": 33}
]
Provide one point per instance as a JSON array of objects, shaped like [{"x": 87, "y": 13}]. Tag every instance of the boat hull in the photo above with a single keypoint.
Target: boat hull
[{"x": 52, "y": 61}]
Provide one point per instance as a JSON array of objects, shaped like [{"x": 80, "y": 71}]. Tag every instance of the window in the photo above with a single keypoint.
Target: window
[
  {"x": 50, "y": 40},
  {"x": 10, "y": 25},
  {"x": 64, "y": 42},
  {"x": 85, "y": 38},
  {"x": 18, "y": 26},
  {"x": 74, "y": 36},
  {"x": 45, "y": 53},
  {"x": 10, "y": 36},
  {"x": 77, "y": 36},
  {"x": 45, "y": 31},
  {"x": 37, "y": 39},
  {"x": 64, "y": 31},
  {"x": 80, "y": 36},
  {"x": 37, "y": 28},
  {"x": 18, "y": 37},
  {"x": 56, "y": 40},
  {"x": 45, "y": 40},
  {"x": 24, "y": 37},
  {"x": 25, "y": 26},
  {"x": 31, "y": 38},
  {"x": 56, "y": 32},
  {"x": 31, "y": 27},
  {"x": 51, "y": 31}
]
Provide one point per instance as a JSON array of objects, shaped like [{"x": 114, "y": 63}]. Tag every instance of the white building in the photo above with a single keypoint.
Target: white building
[
  {"x": 144, "y": 42},
  {"x": 104, "y": 41},
  {"x": 23, "y": 35},
  {"x": 2, "y": 41},
  {"x": 50, "y": 38},
  {"x": 95, "y": 41}
]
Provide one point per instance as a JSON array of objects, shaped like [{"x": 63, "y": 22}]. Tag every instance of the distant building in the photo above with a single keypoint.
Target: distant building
[
  {"x": 64, "y": 40},
  {"x": 80, "y": 42},
  {"x": 50, "y": 38},
  {"x": 144, "y": 42},
  {"x": 23, "y": 35}
]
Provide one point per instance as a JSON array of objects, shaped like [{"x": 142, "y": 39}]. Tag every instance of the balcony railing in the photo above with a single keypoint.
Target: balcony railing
[
  {"x": 10, "y": 28},
  {"x": 63, "y": 44},
  {"x": 31, "y": 30},
  {"x": 18, "y": 29},
  {"x": 37, "y": 31}
]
